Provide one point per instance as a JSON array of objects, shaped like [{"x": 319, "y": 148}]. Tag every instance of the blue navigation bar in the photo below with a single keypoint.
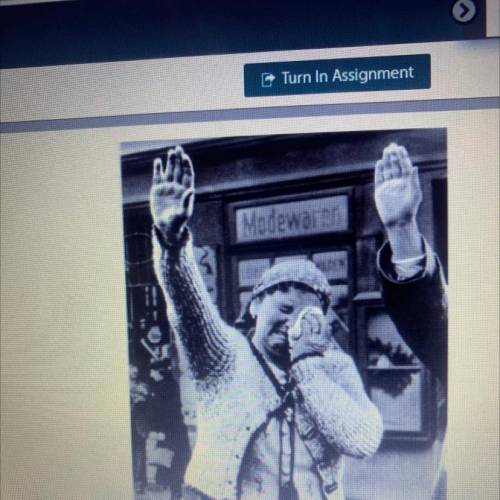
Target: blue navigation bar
[
  {"x": 359, "y": 74},
  {"x": 89, "y": 31}
]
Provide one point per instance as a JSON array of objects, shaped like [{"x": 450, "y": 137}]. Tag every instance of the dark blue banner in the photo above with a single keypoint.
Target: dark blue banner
[{"x": 87, "y": 31}]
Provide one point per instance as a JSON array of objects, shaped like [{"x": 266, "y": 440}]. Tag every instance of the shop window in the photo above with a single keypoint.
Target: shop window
[{"x": 396, "y": 381}]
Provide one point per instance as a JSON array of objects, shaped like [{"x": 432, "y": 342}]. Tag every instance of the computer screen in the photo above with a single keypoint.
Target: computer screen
[{"x": 249, "y": 251}]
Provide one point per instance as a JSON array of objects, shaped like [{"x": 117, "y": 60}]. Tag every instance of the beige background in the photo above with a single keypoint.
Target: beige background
[
  {"x": 64, "y": 378},
  {"x": 458, "y": 70}
]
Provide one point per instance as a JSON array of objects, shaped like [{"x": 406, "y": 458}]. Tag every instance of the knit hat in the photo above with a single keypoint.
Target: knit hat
[{"x": 304, "y": 272}]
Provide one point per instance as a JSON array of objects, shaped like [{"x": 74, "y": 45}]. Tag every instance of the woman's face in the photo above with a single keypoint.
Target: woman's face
[{"x": 275, "y": 315}]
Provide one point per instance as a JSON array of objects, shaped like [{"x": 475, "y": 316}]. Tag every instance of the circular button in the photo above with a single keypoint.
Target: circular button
[{"x": 464, "y": 11}]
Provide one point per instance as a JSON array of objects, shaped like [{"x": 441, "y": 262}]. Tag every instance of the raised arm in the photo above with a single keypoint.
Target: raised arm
[
  {"x": 414, "y": 289},
  {"x": 398, "y": 197},
  {"x": 200, "y": 334}
]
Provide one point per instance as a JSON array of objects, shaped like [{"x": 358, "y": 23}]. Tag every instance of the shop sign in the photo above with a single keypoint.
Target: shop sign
[
  {"x": 333, "y": 264},
  {"x": 324, "y": 215}
]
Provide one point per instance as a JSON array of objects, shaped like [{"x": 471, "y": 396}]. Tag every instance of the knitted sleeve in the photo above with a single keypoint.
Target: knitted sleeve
[
  {"x": 201, "y": 336},
  {"x": 331, "y": 392}
]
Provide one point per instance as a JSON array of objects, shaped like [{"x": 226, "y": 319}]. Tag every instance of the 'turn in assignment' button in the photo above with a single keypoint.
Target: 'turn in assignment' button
[{"x": 359, "y": 74}]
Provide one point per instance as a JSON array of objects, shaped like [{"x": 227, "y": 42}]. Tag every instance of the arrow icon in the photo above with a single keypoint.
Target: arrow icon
[
  {"x": 464, "y": 11},
  {"x": 267, "y": 79}
]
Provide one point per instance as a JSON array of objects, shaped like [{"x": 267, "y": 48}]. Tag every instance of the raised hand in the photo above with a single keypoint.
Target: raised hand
[
  {"x": 172, "y": 194},
  {"x": 398, "y": 196},
  {"x": 397, "y": 188}
]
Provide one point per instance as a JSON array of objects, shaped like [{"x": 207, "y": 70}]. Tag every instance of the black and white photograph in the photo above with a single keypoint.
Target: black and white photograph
[{"x": 287, "y": 315}]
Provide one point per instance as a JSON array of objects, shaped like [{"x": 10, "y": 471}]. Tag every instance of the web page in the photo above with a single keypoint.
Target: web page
[{"x": 262, "y": 274}]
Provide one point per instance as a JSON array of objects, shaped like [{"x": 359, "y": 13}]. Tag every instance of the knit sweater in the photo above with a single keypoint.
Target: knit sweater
[{"x": 236, "y": 397}]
